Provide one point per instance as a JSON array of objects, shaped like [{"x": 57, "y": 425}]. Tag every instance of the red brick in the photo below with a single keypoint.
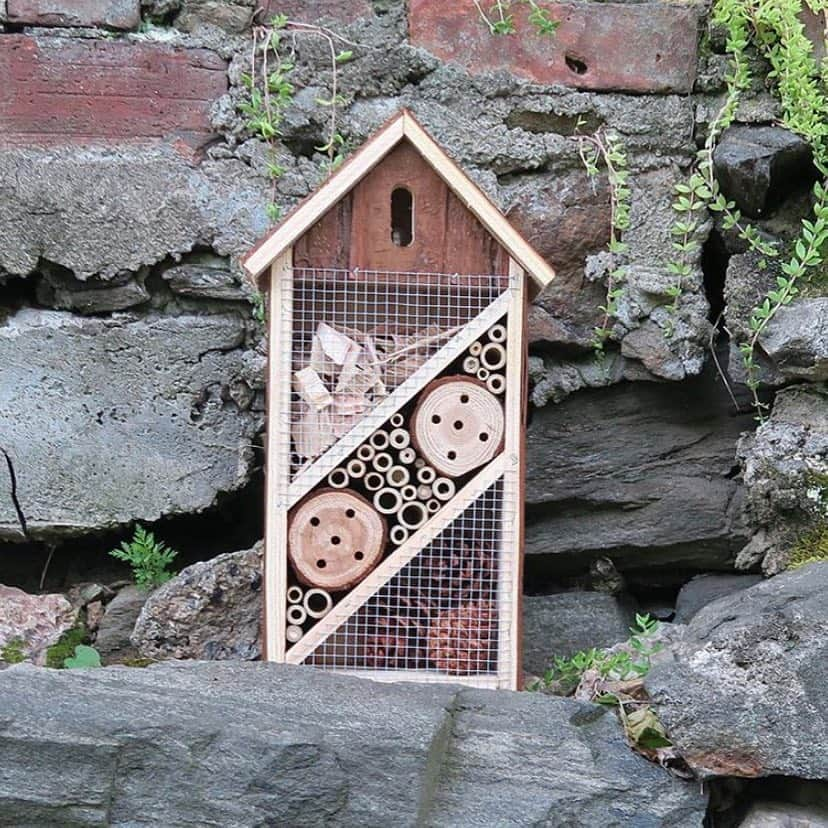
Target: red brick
[
  {"x": 648, "y": 47},
  {"x": 317, "y": 11},
  {"x": 113, "y": 14},
  {"x": 68, "y": 91}
]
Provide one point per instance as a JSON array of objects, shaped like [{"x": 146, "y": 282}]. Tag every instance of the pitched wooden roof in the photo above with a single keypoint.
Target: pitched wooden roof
[{"x": 400, "y": 127}]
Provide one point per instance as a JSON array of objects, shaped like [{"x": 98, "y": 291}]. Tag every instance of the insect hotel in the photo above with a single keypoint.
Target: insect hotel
[{"x": 396, "y": 402}]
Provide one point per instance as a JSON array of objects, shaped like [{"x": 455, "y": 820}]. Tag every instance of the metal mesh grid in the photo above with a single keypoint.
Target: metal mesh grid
[
  {"x": 443, "y": 612},
  {"x": 355, "y": 336}
]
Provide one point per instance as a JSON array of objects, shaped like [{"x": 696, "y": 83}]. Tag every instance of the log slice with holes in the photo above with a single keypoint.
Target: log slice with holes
[
  {"x": 458, "y": 425},
  {"x": 335, "y": 538}
]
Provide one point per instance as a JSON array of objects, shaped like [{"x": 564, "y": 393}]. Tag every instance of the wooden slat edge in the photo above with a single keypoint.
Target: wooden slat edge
[
  {"x": 377, "y": 579},
  {"x": 278, "y": 455},
  {"x": 478, "y": 202},
  {"x": 399, "y": 397},
  {"x": 311, "y": 210}
]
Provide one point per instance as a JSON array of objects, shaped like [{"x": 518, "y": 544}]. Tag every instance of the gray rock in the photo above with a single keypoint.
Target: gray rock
[
  {"x": 168, "y": 207},
  {"x": 704, "y": 589},
  {"x": 63, "y": 292},
  {"x": 210, "y": 610},
  {"x": 758, "y": 167},
  {"x": 293, "y": 746},
  {"x": 595, "y": 486},
  {"x": 113, "y": 420},
  {"x": 785, "y": 815},
  {"x": 30, "y": 624},
  {"x": 115, "y": 628},
  {"x": 745, "y": 695},
  {"x": 785, "y": 471},
  {"x": 562, "y": 624},
  {"x": 205, "y": 276},
  {"x": 796, "y": 339}
]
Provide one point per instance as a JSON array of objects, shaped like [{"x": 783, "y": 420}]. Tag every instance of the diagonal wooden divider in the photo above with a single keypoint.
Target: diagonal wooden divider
[
  {"x": 316, "y": 472},
  {"x": 360, "y": 594}
]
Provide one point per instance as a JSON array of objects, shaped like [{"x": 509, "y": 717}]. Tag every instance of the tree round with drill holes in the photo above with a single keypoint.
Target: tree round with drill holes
[
  {"x": 335, "y": 538},
  {"x": 458, "y": 425}
]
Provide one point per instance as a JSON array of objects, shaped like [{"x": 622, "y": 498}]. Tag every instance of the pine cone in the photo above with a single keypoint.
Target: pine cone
[
  {"x": 398, "y": 642},
  {"x": 463, "y": 640}
]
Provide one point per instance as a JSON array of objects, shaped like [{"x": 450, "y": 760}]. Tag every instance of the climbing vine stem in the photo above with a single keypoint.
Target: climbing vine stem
[
  {"x": 270, "y": 91},
  {"x": 774, "y": 28},
  {"x": 604, "y": 149},
  {"x": 500, "y": 17}
]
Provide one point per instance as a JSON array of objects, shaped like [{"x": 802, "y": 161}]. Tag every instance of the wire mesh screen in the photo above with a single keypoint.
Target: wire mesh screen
[
  {"x": 442, "y": 613},
  {"x": 355, "y": 336}
]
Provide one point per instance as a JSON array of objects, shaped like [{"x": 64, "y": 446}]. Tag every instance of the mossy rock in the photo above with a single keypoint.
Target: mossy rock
[
  {"x": 12, "y": 651},
  {"x": 65, "y": 646},
  {"x": 810, "y": 547}
]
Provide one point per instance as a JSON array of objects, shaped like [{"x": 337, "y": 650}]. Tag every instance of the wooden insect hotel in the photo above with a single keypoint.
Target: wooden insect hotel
[{"x": 396, "y": 402}]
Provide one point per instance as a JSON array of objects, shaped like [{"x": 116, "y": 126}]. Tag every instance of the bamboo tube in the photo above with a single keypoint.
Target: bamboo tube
[
  {"x": 293, "y": 633},
  {"x": 387, "y": 501},
  {"x": 475, "y": 348},
  {"x": 424, "y": 492},
  {"x": 399, "y": 438},
  {"x": 382, "y": 461},
  {"x": 483, "y": 374},
  {"x": 318, "y": 603},
  {"x": 379, "y": 439},
  {"x": 409, "y": 492},
  {"x": 338, "y": 478},
  {"x": 356, "y": 469},
  {"x": 443, "y": 488},
  {"x": 397, "y": 420},
  {"x": 426, "y": 474},
  {"x": 413, "y": 515},
  {"x": 496, "y": 383},
  {"x": 471, "y": 364},
  {"x": 373, "y": 481},
  {"x": 397, "y": 476},
  {"x": 295, "y": 594},
  {"x": 419, "y": 463},
  {"x": 366, "y": 453},
  {"x": 398, "y": 535},
  {"x": 408, "y": 456},
  {"x": 433, "y": 506},
  {"x": 497, "y": 333},
  {"x": 493, "y": 356},
  {"x": 296, "y": 614}
]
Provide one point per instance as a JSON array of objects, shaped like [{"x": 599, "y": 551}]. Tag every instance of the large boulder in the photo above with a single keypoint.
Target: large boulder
[
  {"x": 785, "y": 470},
  {"x": 758, "y": 167},
  {"x": 29, "y": 624},
  {"x": 705, "y": 589},
  {"x": 279, "y": 745},
  {"x": 111, "y": 419},
  {"x": 745, "y": 692},
  {"x": 596, "y": 487},
  {"x": 210, "y": 610},
  {"x": 796, "y": 339},
  {"x": 562, "y": 624}
]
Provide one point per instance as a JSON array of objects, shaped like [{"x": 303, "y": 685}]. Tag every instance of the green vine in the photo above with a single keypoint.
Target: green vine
[
  {"x": 774, "y": 29},
  {"x": 270, "y": 92},
  {"x": 604, "y": 148},
  {"x": 500, "y": 20}
]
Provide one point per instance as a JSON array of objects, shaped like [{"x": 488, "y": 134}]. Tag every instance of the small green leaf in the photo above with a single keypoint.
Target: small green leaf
[{"x": 85, "y": 656}]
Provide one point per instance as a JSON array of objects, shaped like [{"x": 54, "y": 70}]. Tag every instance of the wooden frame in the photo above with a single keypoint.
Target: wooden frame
[{"x": 505, "y": 470}]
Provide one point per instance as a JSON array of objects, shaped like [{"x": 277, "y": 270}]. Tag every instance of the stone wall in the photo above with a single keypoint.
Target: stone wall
[{"x": 129, "y": 186}]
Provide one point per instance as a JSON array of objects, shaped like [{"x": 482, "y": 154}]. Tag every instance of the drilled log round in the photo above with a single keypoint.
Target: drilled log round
[
  {"x": 462, "y": 641},
  {"x": 458, "y": 425},
  {"x": 335, "y": 538}
]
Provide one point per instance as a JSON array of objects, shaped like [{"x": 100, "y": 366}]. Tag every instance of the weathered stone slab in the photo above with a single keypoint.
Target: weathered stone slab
[
  {"x": 595, "y": 486},
  {"x": 112, "y": 14},
  {"x": 283, "y": 745},
  {"x": 147, "y": 204},
  {"x": 70, "y": 91},
  {"x": 646, "y": 47},
  {"x": 111, "y": 420},
  {"x": 745, "y": 693}
]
